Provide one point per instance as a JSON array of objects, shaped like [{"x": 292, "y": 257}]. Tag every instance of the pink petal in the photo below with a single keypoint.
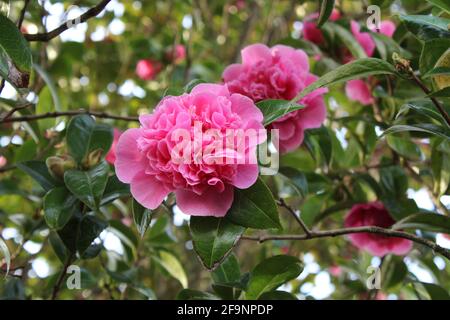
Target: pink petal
[
  {"x": 246, "y": 175},
  {"x": 232, "y": 72},
  {"x": 314, "y": 114},
  {"x": 358, "y": 90},
  {"x": 210, "y": 203},
  {"x": 245, "y": 108},
  {"x": 387, "y": 28},
  {"x": 128, "y": 159},
  {"x": 402, "y": 246},
  {"x": 147, "y": 190},
  {"x": 216, "y": 89},
  {"x": 255, "y": 52},
  {"x": 299, "y": 57}
]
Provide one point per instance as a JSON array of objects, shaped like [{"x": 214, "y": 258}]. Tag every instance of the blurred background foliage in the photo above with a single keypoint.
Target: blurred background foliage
[{"x": 92, "y": 66}]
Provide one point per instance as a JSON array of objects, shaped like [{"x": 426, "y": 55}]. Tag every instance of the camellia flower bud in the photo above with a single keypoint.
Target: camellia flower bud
[{"x": 57, "y": 165}]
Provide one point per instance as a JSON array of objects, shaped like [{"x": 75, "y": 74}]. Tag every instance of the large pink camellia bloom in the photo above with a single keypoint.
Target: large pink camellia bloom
[
  {"x": 111, "y": 155},
  {"x": 280, "y": 72},
  {"x": 310, "y": 30},
  {"x": 375, "y": 214},
  {"x": 154, "y": 161}
]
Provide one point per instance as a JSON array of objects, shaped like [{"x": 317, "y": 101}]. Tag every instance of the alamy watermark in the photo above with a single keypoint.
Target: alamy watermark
[{"x": 374, "y": 20}]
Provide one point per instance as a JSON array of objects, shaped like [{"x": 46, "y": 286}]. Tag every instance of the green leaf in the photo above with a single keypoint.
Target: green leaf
[
  {"x": 51, "y": 87},
  {"x": 297, "y": 178},
  {"x": 254, "y": 207},
  {"x": 5, "y": 251},
  {"x": 39, "y": 172},
  {"x": 172, "y": 266},
  {"x": 189, "y": 294},
  {"x": 271, "y": 273},
  {"x": 426, "y": 27},
  {"x": 14, "y": 47},
  {"x": 228, "y": 271},
  {"x": 431, "y": 52},
  {"x": 277, "y": 295},
  {"x": 445, "y": 92},
  {"x": 394, "y": 181},
  {"x": 405, "y": 147},
  {"x": 394, "y": 271},
  {"x": 88, "y": 186},
  {"x": 423, "y": 107},
  {"x": 142, "y": 217},
  {"x": 349, "y": 41},
  {"x": 59, "y": 206},
  {"x": 326, "y": 8},
  {"x": 79, "y": 233},
  {"x": 357, "y": 69},
  {"x": 443, "y": 4},
  {"x": 114, "y": 189},
  {"x": 275, "y": 109},
  {"x": 424, "y": 127},
  {"x": 84, "y": 136},
  {"x": 434, "y": 291},
  {"x": 426, "y": 222},
  {"x": 437, "y": 71},
  {"x": 125, "y": 234},
  {"x": 214, "y": 238}
]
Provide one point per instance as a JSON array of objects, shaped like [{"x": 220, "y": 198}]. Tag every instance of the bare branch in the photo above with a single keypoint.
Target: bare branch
[
  {"x": 68, "y": 113},
  {"x": 340, "y": 232},
  {"x": 92, "y": 12}
]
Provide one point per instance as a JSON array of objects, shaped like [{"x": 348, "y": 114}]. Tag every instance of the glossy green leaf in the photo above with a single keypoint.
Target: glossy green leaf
[
  {"x": 354, "y": 70},
  {"x": 59, "y": 206},
  {"x": 422, "y": 127},
  {"x": 114, "y": 189},
  {"x": 39, "y": 172},
  {"x": 88, "y": 186},
  {"x": 431, "y": 52},
  {"x": 271, "y": 273},
  {"x": 404, "y": 146},
  {"x": 142, "y": 217},
  {"x": 89, "y": 229},
  {"x": 275, "y": 109},
  {"x": 426, "y": 27},
  {"x": 297, "y": 178},
  {"x": 84, "y": 136},
  {"x": 172, "y": 266},
  {"x": 437, "y": 71},
  {"x": 442, "y": 4},
  {"x": 214, "y": 238},
  {"x": 347, "y": 38},
  {"x": 426, "y": 222},
  {"x": 326, "y": 8},
  {"x": 228, "y": 271},
  {"x": 254, "y": 207}
]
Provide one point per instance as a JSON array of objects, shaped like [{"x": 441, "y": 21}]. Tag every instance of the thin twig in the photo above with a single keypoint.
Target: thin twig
[
  {"x": 20, "y": 107},
  {"x": 58, "y": 284},
  {"x": 283, "y": 204},
  {"x": 345, "y": 231},
  {"x": 92, "y": 12},
  {"x": 22, "y": 14},
  {"x": 69, "y": 113},
  {"x": 433, "y": 99}
]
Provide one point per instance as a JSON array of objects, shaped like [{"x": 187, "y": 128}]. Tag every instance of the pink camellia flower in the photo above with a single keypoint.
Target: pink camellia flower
[
  {"x": 111, "y": 155},
  {"x": 358, "y": 90},
  {"x": 176, "y": 54},
  {"x": 147, "y": 69},
  {"x": 375, "y": 214},
  {"x": 154, "y": 161},
  {"x": 3, "y": 161},
  {"x": 335, "y": 270},
  {"x": 310, "y": 30},
  {"x": 280, "y": 72}
]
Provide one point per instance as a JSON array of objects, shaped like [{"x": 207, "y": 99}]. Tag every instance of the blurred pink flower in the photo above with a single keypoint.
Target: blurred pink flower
[
  {"x": 280, "y": 72},
  {"x": 148, "y": 157},
  {"x": 358, "y": 90},
  {"x": 177, "y": 54},
  {"x": 3, "y": 161},
  {"x": 363, "y": 38},
  {"x": 335, "y": 271},
  {"x": 310, "y": 30},
  {"x": 374, "y": 214},
  {"x": 111, "y": 155},
  {"x": 147, "y": 69},
  {"x": 387, "y": 28}
]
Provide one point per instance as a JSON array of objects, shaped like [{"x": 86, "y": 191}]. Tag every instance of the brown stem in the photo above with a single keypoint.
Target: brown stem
[
  {"x": 68, "y": 113},
  {"x": 22, "y": 14},
  {"x": 345, "y": 231},
  {"x": 92, "y": 12},
  {"x": 20, "y": 107},
  {"x": 283, "y": 204},
  {"x": 433, "y": 99},
  {"x": 58, "y": 284}
]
